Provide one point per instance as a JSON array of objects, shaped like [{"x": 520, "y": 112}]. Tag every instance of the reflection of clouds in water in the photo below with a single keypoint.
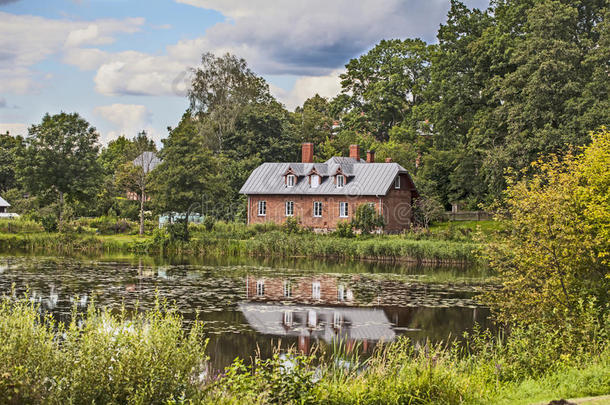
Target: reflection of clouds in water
[{"x": 216, "y": 291}]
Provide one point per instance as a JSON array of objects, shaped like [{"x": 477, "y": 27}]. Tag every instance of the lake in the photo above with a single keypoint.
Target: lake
[{"x": 249, "y": 305}]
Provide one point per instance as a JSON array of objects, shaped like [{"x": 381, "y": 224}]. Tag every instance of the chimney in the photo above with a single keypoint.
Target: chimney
[
  {"x": 354, "y": 152},
  {"x": 307, "y": 152},
  {"x": 370, "y": 156},
  {"x": 388, "y": 160}
]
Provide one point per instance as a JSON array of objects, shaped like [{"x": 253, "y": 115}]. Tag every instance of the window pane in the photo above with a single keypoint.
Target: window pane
[
  {"x": 315, "y": 290},
  {"x": 315, "y": 180},
  {"x": 289, "y": 208},
  {"x": 317, "y": 209},
  {"x": 343, "y": 209}
]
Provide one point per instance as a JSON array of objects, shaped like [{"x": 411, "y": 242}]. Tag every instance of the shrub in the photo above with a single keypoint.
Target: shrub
[
  {"x": 49, "y": 223},
  {"x": 208, "y": 223},
  {"x": 292, "y": 226},
  {"x": 146, "y": 358},
  {"x": 366, "y": 219},
  {"x": 111, "y": 225},
  {"x": 344, "y": 230}
]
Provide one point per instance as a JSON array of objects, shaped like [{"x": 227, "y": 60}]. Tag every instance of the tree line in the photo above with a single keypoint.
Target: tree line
[{"x": 500, "y": 88}]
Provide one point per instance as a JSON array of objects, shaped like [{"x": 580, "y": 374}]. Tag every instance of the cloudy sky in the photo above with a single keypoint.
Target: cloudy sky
[{"x": 121, "y": 63}]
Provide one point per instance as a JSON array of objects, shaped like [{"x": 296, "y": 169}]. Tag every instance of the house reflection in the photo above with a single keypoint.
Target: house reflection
[
  {"x": 311, "y": 309},
  {"x": 309, "y": 323},
  {"x": 322, "y": 289}
]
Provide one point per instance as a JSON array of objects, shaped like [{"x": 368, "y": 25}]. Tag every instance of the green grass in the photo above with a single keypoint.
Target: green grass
[
  {"x": 150, "y": 358},
  {"x": 484, "y": 226},
  {"x": 240, "y": 240}
]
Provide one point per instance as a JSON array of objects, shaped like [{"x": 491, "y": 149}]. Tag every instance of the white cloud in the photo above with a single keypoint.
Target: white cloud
[
  {"x": 310, "y": 39},
  {"x": 26, "y": 40},
  {"x": 307, "y": 86},
  {"x": 127, "y": 119},
  {"x": 14, "y": 128},
  {"x": 316, "y": 36}
]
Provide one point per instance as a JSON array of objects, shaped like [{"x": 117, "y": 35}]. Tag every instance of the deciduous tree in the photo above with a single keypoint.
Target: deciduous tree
[{"x": 61, "y": 156}]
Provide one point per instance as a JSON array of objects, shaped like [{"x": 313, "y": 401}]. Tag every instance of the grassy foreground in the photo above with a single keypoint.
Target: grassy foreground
[
  {"x": 150, "y": 358},
  {"x": 443, "y": 245}
]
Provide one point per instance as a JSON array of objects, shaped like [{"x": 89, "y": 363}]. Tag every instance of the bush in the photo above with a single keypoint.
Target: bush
[
  {"x": 366, "y": 219},
  {"x": 344, "y": 230},
  {"x": 110, "y": 225},
  {"x": 49, "y": 223},
  {"x": 208, "y": 223},
  {"x": 19, "y": 225},
  {"x": 292, "y": 226},
  {"x": 176, "y": 232},
  {"x": 149, "y": 358}
]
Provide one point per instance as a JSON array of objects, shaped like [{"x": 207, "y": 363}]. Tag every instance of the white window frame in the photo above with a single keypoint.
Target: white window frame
[
  {"x": 287, "y": 289},
  {"x": 397, "y": 182},
  {"x": 289, "y": 208},
  {"x": 343, "y": 209},
  {"x": 312, "y": 318},
  {"x": 290, "y": 180},
  {"x": 340, "y": 181},
  {"x": 337, "y": 320},
  {"x": 317, "y": 182},
  {"x": 316, "y": 290},
  {"x": 288, "y": 318},
  {"x": 317, "y": 206},
  {"x": 260, "y": 288},
  {"x": 341, "y": 293},
  {"x": 262, "y": 208}
]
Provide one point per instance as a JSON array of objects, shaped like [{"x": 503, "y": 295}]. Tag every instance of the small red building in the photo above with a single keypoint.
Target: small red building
[{"x": 322, "y": 194}]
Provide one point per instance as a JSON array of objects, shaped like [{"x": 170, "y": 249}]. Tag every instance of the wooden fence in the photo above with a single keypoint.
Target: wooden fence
[{"x": 468, "y": 216}]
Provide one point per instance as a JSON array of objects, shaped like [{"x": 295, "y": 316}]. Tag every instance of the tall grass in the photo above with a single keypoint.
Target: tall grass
[
  {"x": 101, "y": 358},
  {"x": 267, "y": 241},
  {"x": 149, "y": 358}
]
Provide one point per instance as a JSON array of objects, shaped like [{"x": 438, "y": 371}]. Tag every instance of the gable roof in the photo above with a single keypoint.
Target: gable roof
[
  {"x": 362, "y": 178},
  {"x": 147, "y": 160},
  {"x": 4, "y": 203},
  {"x": 358, "y": 323}
]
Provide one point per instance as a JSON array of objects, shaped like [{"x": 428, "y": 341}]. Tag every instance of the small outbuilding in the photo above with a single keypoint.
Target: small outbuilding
[{"x": 4, "y": 206}]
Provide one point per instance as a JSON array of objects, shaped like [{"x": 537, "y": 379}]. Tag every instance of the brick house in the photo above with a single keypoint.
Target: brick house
[{"x": 322, "y": 194}]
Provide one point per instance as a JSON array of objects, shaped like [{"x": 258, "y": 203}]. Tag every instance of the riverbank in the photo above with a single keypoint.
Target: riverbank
[
  {"x": 107, "y": 358},
  {"x": 453, "y": 246}
]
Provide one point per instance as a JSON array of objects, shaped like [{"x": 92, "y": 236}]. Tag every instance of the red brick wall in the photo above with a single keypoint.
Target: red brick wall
[
  {"x": 303, "y": 209},
  {"x": 301, "y": 289},
  {"x": 396, "y": 209},
  {"x": 397, "y": 206}
]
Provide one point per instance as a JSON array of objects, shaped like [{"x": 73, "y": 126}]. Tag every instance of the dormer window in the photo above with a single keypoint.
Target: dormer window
[
  {"x": 340, "y": 181},
  {"x": 315, "y": 180},
  {"x": 397, "y": 182},
  {"x": 290, "y": 180}
]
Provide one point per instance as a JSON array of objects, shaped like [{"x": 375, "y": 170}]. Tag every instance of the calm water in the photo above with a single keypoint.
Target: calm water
[{"x": 248, "y": 304}]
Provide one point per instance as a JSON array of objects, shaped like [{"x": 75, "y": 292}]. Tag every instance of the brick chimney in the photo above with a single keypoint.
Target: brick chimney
[
  {"x": 370, "y": 156},
  {"x": 307, "y": 152},
  {"x": 354, "y": 152},
  {"x": 388, "y": 160}
]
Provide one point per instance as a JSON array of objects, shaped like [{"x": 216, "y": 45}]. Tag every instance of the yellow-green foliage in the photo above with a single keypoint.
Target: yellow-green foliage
[
  {"x": 554, "y": 253},
  {"x": 594, "y": 193},
  {"x": 100, "y": 358}
]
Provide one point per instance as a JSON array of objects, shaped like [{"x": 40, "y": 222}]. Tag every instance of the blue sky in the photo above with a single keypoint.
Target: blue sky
[{"x": 122, "y": 64}]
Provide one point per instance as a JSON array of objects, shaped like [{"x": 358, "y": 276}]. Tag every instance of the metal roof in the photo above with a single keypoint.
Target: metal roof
[
  {"x": 147, "y": 160},
  {"x": 362, "y": 178},
  {"x": 356, "y": 323},
  {"x": 4, "y": 203}
]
